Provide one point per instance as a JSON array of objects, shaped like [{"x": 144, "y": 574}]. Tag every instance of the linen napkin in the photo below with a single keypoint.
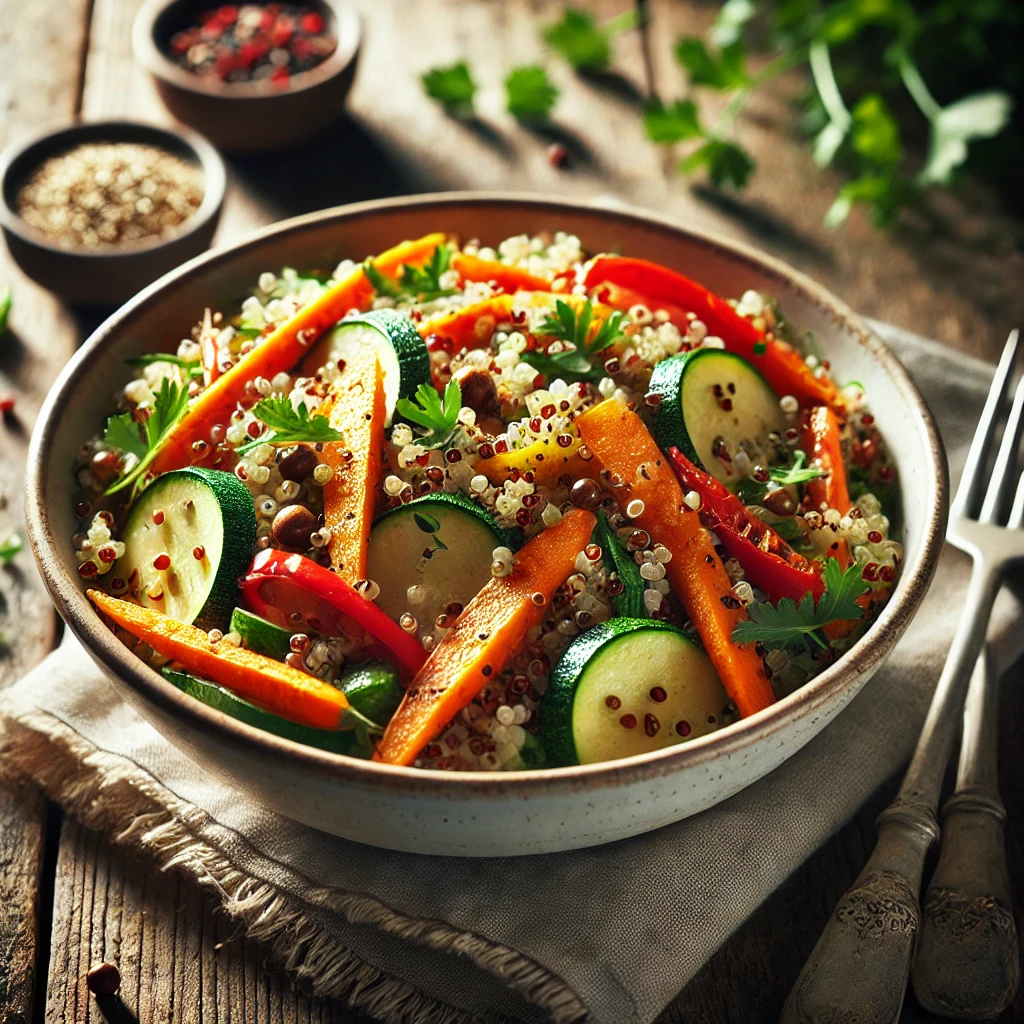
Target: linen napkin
[{"x": 606, "y": 935}]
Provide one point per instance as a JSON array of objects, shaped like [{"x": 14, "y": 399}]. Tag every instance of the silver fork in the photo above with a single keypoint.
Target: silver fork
[{"x": 858, "y": 971}]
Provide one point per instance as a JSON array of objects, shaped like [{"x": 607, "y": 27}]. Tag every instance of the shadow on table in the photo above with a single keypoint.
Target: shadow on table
[
  {"x": 113, "y": 1010},
  {"x": 348, "y": 164}
]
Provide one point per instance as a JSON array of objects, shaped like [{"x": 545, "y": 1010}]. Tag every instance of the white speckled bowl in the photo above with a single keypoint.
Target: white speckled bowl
[{"x": 480, "y": 814}]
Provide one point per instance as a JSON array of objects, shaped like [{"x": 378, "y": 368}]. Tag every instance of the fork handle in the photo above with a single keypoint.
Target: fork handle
[{"x": 857, "y": 973}]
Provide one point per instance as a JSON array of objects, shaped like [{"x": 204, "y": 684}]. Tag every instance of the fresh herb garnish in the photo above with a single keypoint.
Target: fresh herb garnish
[
  {"x": 530, "y": 96},
  {"x": 453, "y": 87},
  {"x": 436, "y": 413},
  {"x": 789, "y": 624},
  {"x": 143, "y": 440},
  {"x": 668, "y": 125},
  {"x": 288, "y": 425},
  {"x": 9, "y": 548},
  {"x": 422, "y": 283},
  {"x": 190, "y": 366},
  {"x": 796, "y": 473},
  {"x": 584, "y": 43},
  {"x": 5, "y": 307},
  {"x": 573, "y": 364}
]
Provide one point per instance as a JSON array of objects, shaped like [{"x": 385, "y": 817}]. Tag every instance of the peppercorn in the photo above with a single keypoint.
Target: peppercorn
[
  {"x": 103, "y": 979},
  {"x": 292, "y": 527}
]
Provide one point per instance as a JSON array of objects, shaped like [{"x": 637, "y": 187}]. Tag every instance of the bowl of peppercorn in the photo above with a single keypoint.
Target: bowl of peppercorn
[
  {"x": 96, "y": 211},
  {"x": 254, "y": 77}
]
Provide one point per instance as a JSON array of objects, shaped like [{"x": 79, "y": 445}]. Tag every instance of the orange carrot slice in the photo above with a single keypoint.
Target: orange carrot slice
[
  {"x": 484, "y": 637},
  {"x": 469, "y": 327},
  {"x": 501, "y": 275},
  {"x": 356, "y": 410},
  {"x": 622, "y": 445},
  {"x": 545, "y": 458},
  {"x": 274, "y": 686},
  {"x": 281, "y": 350}
]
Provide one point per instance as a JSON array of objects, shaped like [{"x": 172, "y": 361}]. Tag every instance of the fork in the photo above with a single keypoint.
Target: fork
[{"x": 858, "y": 971}]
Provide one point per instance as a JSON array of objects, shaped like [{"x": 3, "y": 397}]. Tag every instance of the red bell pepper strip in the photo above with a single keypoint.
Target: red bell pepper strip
[
  {"x": 622, "y": 282},
  {"x": 768, "y": 561},
  {"x": 280, "y": 585}
]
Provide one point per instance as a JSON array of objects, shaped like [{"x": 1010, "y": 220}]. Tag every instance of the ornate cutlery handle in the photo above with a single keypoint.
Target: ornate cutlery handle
[
  {"x": 968, "y": 957},
  {"x": 857, "y": 973}
]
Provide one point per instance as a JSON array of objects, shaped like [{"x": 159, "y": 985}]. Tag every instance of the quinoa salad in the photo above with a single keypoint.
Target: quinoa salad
[{"x": 464, "y": 507}]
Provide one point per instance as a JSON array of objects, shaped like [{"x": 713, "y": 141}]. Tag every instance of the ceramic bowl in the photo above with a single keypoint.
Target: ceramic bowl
[
  {"x": 243, "y": 117},
  {"x": 106, "y": 277},
  {"x": 481, "y": 814}
]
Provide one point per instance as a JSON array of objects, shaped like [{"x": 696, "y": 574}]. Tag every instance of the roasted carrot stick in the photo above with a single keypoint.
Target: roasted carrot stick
[
  {"x": 357, "y": 411},
  {"x": 824, "y": 451},
  {"x": 508, "y": 279},
  {"x": 545, "y": 458},
  {"x": 483, "y": 638},
  {"x": 622, "y": 444},
  {"x": 281, "y": 350},
  {"x": 469, "y": 327},
  {"x": 275, "y": 687}
]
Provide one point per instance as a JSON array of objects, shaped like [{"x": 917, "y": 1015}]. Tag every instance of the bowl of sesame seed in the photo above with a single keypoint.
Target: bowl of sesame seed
[
  {"x": 255, "y": 77},
  {"x": 96, "y": 211}
]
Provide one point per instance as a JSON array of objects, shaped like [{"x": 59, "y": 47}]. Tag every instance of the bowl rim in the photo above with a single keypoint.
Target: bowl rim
[
  {"x": 348, "y": 31},
  {"x": 869, "y": 652},
  {"x": 215, "y": 180}
]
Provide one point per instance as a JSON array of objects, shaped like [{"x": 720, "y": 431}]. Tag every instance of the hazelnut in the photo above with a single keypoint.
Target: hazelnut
[
  {"x": 780, "y": 502},
  {"x": 585, "y": 493},
  {"x": 103, "y": 979},
  {"x": 478, "y": 392},
  {"x": 297, "y": 465},
  {"x": 292, "y": 527}
]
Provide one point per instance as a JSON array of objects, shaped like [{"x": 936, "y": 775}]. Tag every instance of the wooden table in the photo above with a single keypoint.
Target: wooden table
[{"x": 67, "y": 898}]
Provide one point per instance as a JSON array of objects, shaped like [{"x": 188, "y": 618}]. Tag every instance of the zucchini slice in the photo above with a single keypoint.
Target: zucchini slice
[
  {"x": 442, "y": 543},
  {"x": 261, "y": 636},
  {"x": 373, "y": 690},
  {"x": 709, "y": 397},
  {"x": 188, "y": 539},
  {"x": 224, "y": 700},
  {"x": 402, "y": 352},
  {"x": 629, "y": 686}
]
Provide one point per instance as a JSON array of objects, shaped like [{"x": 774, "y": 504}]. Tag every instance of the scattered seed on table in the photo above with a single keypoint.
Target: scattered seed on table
[{"x": 103, "y": 979}]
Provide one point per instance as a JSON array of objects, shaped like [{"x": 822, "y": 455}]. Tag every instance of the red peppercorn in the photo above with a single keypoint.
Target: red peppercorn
[
  {"x": 162, "y": 561},
  {"x": 684, "y": 728},
  {"x": 628, "y": 721},
  {"x": 558, "y": 155}
]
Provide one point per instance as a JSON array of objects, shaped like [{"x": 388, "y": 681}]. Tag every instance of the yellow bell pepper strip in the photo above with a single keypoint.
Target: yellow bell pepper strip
[
  {"x": 484, "y": 637},
  {"x": 623, "y": 446},
  {"x": 296, "y": 593},
  {"x": 280, "y": 351},
  {"x": 272, "y": 685},
  {"x": 545, "y": 459},
  {"x": 624, "y": 282},
  {"x": 501, "y": 275},
  {"x": 469, "y": 327},
  {"x": 355, "y": 408}
]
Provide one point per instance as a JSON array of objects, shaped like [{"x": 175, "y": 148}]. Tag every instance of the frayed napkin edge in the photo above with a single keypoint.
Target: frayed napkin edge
[{"x": 113, "y": 795}]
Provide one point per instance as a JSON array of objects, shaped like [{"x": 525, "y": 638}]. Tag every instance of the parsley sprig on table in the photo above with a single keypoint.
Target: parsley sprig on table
[
  {"x": 789, "y": 624},
  {"x": 529, "y": 94},
  {"x": 288, "y": 425},
  {"x": 584, "y": 43},
  {"x": 10, "y": 547},
  {"x": 421, "y": 283},
  {"x": 568, "y": 326},
  {"x": 453, "y": 87},
  {"x": 438, "y": 414},
  {"x": 144, "y": 440}
]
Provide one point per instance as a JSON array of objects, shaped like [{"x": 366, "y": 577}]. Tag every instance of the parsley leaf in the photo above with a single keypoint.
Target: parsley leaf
[
  {"x": 170, "y": 403},
  {"x": 579, "y": 40},
  {"x": 725, "y": 69},
  {"x": 9, "y": 548},
  {"x": 791, "y": 625},
  {"x": 453, "y": 87},
  {"x": 5, "y": 307},
  {"x": 439, "y": 414},
  {"x": 796, "y": 473},
  {"x": 529, "y": 93},
  {"x": 572, "y": 364},
  {"x": 677, "y": 123},
  {"x": 289, "y": 425},
  {"x": 725, "y": 162},
  {"x": 422, "y": 283}
]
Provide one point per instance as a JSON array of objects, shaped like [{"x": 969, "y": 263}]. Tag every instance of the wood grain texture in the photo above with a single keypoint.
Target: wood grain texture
[{"x": 954, "y": 279}]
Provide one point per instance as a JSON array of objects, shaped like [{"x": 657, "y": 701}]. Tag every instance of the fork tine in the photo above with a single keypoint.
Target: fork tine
[
  {"x": 1017, "y": 511},
  {"x": 1006, "y": 458},
  {"x": 970, "y": 483}
]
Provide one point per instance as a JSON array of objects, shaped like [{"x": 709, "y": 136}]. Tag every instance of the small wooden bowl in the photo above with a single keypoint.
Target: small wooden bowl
[
  {"x": 110, "y": 275},
  {"x": 248, "y": 117}
]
